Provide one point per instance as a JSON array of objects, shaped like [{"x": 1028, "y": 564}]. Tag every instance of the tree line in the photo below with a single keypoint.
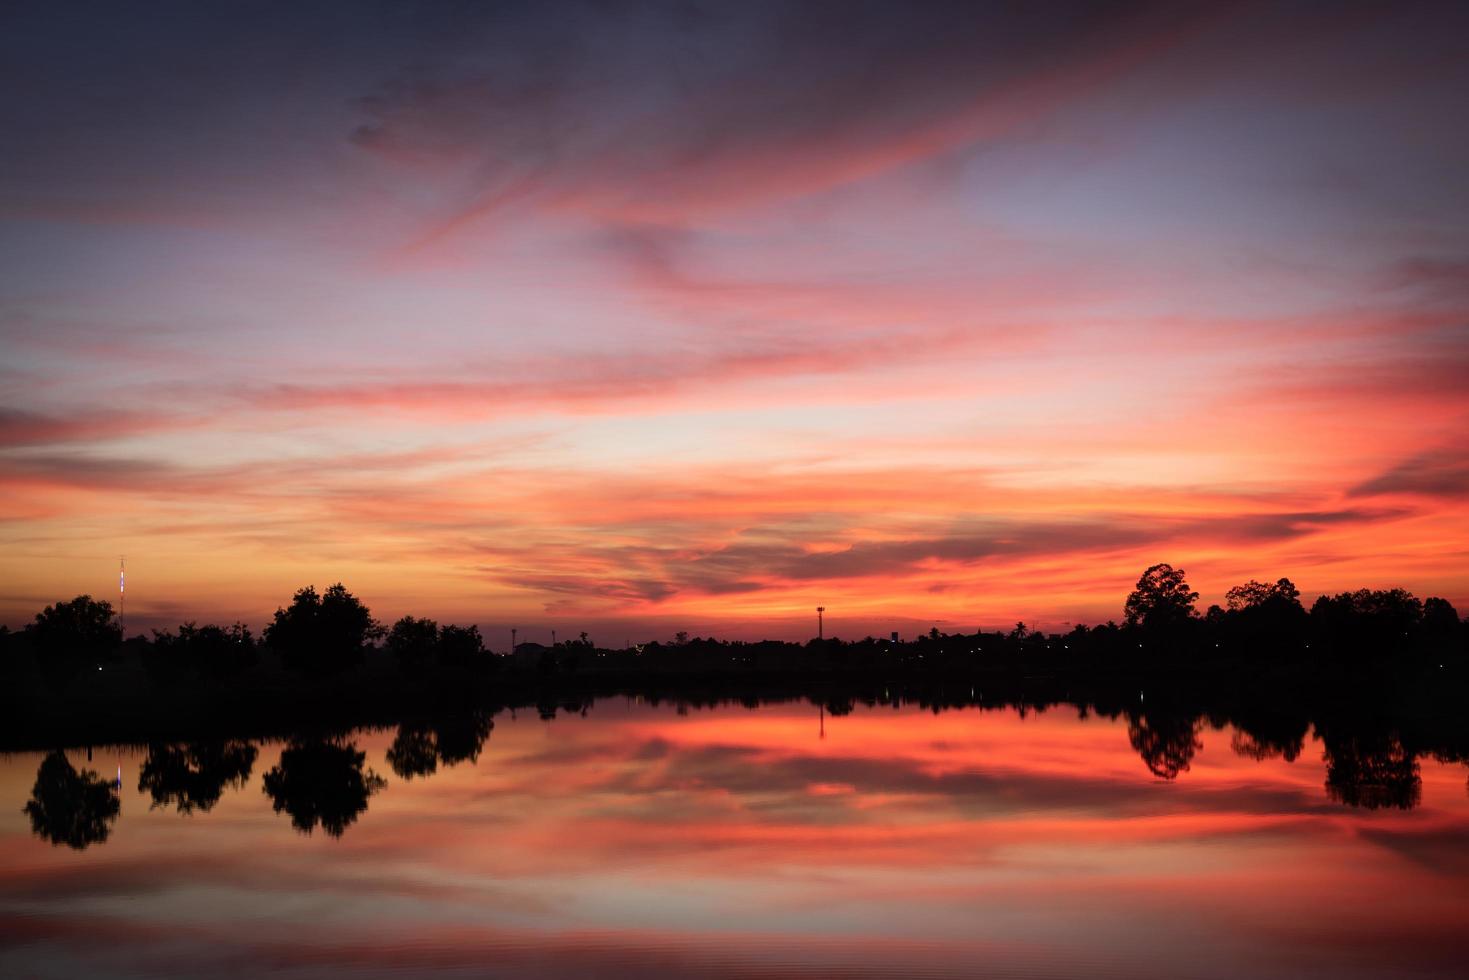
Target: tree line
[{"x": 321, "y": 634}]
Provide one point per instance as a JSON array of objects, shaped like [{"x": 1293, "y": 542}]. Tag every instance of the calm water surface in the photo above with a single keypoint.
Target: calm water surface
[{"x": 637, "y": 841}]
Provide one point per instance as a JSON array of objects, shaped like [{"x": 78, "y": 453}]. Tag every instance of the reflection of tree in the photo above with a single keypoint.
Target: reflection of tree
[
  {"x": 1451, "y": 756},
  {"x": 837, "y": 707},
  {"x": 70, "y": 807},
  {"x": 1167, "y": 743},
  {"x": 419, "y": 748},
  {"x": 320, "y": 781},
  {"x": 461, "y": 737},
  {"x": 1374, "y": 771},
  {"x": 413, "y": 752},
  {"x": 194, "y": 776},
  {"x": 1269, "y": 737},
  {"x": 1260, "y": 748}
]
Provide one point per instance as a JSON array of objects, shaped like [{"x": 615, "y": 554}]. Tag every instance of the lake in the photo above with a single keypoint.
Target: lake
[{"x": 635, "y": 840}]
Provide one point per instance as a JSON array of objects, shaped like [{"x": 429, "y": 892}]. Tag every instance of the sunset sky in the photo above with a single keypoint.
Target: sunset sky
[{"x": 636, "y": 318}]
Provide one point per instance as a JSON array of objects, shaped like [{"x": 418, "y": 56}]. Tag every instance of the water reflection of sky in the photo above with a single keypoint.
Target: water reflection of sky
[{"x": 636, "y": 841}]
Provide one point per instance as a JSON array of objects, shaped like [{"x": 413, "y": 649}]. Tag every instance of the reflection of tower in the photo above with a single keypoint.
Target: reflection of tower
[
  {"x": 122, "y": 597},
  {"x": 820, "y": 625},
  {"x": 823, "y": 720}
]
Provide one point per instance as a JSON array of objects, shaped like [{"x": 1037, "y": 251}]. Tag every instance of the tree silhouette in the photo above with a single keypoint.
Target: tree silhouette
[
  {"x": 194, "y": 776},
  {"x": 461, "y": 646},
  {"x": 1441, "y": 626},
  {"x": 321, "y": 782},
  {"x": 1367, "y": 622},
  {"x": 322, "y": 634},
  {"x": 1162, "y": 599},
  {"x": 70, "y": 636},
  {"x": 203, "y": 651},
  {"x": 413, "y": 641},
  {"x": 1253, "y": 595},
  {"x": 1262, "y": 615},
  {"x": 73, "y": 808}
]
